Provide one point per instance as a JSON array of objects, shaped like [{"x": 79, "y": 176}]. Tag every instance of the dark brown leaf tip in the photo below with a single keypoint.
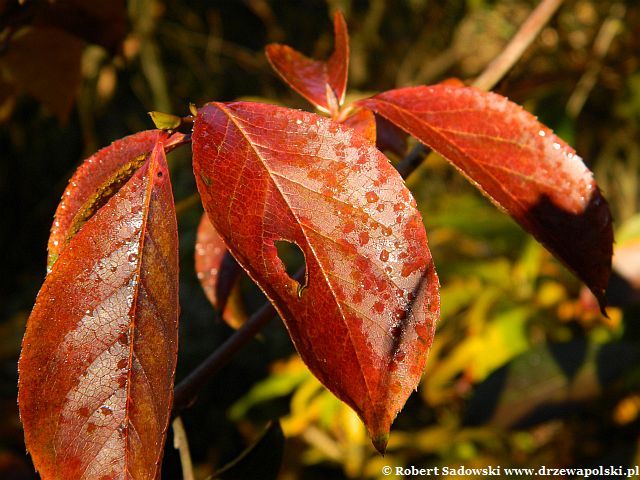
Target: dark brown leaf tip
[{"x": 380, "y": 443}]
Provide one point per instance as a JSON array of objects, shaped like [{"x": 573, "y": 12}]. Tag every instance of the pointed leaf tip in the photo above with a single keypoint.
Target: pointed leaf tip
[
  {"x": 380, "y": 443},
  {"x": 323, "y": 83}
]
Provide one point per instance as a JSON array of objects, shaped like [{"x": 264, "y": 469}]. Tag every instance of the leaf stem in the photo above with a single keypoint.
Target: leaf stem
[
  {"x": 528, "y": 31},
  {"x": 495, "y": 71}
]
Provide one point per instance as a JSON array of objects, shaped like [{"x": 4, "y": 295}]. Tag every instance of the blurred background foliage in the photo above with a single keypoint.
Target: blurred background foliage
[{"x": 524, "y": 371}]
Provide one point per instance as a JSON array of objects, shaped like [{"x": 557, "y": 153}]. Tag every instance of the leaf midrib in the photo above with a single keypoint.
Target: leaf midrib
[{"x": 284, "y": 198}]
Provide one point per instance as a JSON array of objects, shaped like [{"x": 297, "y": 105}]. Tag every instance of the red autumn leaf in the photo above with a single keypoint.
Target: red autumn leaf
[
  {"x": 97, "y": 179},
  {"x": 322, "y": 83},
  {"x": 94, "y": 182},
  {"x": 363, "y": 121},
  {"x": 218, "y": 273},
  {"x": 518, "y": 163},
  {"x": 364, "y": 320},
  {"x": 102, "y": 340}
]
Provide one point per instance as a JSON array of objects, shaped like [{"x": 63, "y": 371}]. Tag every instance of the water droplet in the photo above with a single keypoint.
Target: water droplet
[
  {"x": 363, "y": 238},
  {"x": 87, "y": 312},
  {"x": 556, "y": 145},
  {"x": 132, "y": 257},
  {"x": 106, "y": 410},
  {"x": 386, "y": 231},
  {"x": 395, "y": 331},
  {"x": 411, "y": 296},
  {"x": 55, "y": 243},
  {"x": 407, "y": 269},
  {"x": 384, "y": 255},
  {"x": 298, "y": 122},
  {"x": 200, "y": 275},
  {"x": 113, "y": 269},
  {"x": 122, "y": 363},
  {"x": 542, "y": 133},
  {"x": 399, "y": 356},
  {"x": 349, "y": 227},
  {"x": 422, "y": 331},
  {"x": 400, "y": 314},
  {"x": 380, "y": 207},
  {"x": 372, "y": 197},
  {"x": 398, "y": 207}
]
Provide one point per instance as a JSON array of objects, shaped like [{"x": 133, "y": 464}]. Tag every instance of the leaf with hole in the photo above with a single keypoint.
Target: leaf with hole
[
  {"x": 102, "y": 339},
  {"x": 518, "y": 163},
  {"x": 364, "y": 316},
  {"x": 322, "y": 83}
]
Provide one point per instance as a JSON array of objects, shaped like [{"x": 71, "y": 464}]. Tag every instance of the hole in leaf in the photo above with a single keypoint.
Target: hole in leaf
[{"x": 292, "y": 258}]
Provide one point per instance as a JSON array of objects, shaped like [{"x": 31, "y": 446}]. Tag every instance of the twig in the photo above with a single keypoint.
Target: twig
[
  {"x": 181, "y": 443},
  {"x": 495, "y": 71},
  {"x": 414, "y": 158},
  {"x": 529, "y": 30},
  {"x": 186, "y": 391},
  {"x": 610, "y": 28}
]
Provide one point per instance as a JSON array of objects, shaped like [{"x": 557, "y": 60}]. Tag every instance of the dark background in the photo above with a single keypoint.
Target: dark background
[{"x": 524, "y": 371}]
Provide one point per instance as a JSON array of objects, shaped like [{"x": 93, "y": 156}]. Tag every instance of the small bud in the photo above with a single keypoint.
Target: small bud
[{"x": 165, "y": 121}]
